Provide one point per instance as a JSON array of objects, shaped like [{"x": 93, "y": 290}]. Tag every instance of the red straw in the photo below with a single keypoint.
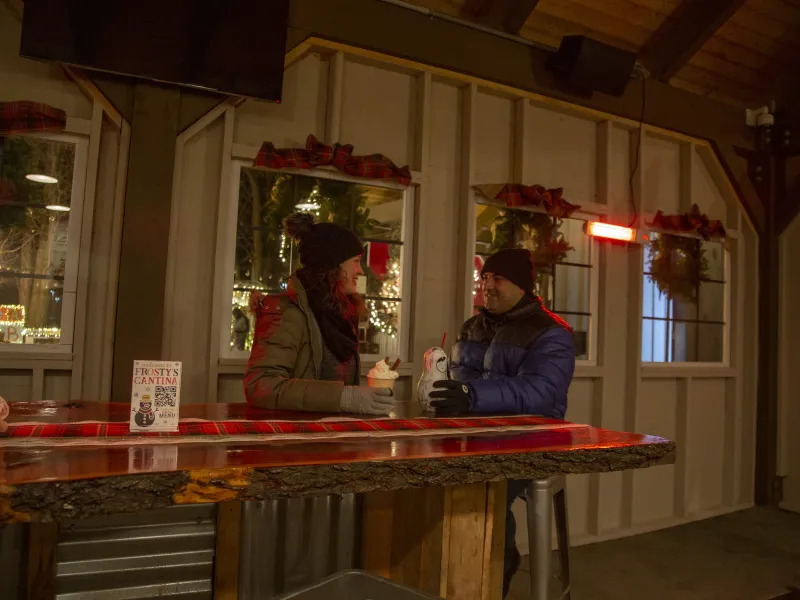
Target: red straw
[{"x": 444, "y": 339}]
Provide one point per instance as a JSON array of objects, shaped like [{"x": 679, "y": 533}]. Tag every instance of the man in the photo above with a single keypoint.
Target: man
[{"x": 515, "y": 356}]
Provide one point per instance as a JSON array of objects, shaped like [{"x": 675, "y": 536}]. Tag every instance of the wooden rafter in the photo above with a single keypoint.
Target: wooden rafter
[
  {"x": 506, "y": 15},
  {"x": 686, "y": 30}
]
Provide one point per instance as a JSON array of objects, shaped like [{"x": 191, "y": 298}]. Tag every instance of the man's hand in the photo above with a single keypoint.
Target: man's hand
[{"x": 451, "y": 397}]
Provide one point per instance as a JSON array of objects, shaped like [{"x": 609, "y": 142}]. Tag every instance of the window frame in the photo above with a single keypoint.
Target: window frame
[
  {"x": 726, "y": 313},
  {"x": 228, "y": 249},
  {"x": 595, "y": 256},
  {"x": 71, "y": 268}
]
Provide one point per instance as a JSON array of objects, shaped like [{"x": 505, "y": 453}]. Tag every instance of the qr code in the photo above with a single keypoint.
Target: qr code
[{"x": 166, "y": 395}]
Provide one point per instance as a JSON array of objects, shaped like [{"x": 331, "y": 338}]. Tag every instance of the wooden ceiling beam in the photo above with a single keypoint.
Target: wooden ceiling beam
[
  {"x": 684, "y": 32},
  {"x": 505, "y": 15}
]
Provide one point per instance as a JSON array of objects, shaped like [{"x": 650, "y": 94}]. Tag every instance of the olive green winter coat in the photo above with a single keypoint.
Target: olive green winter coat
[{"x": 285, "y": 362}]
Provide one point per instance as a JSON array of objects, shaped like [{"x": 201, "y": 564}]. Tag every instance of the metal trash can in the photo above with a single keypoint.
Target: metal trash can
[{"x": 357, "y": 585}]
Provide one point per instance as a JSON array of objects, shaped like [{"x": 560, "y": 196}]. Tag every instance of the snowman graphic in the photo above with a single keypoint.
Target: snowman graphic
[{"x": 145, "y": 415}]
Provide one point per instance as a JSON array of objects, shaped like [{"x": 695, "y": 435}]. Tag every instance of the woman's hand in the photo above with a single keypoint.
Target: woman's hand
[{"x": 367, "y": 400}]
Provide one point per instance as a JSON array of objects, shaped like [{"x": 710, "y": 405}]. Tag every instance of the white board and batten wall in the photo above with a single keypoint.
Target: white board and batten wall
[
  {"x": 789, "y": 400},
  {"x": 80, "y": 365},
  {"x": 454, "y": 133}
]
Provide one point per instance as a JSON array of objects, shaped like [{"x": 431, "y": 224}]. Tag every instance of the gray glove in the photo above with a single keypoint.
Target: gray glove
[{"x": 366, "y": 400}]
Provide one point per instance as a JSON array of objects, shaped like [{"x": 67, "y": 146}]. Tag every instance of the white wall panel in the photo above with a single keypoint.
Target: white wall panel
[
  {"x": 302, "y": 109},
  {"x": 56, "y": 386},
  {"x": 230, "y": 388},
  {"x": 654, "y": 488},
  {"x": 705, "y": 192},
  {"x": 661, "y": 160},
  {"x": 705, "y": 444},
  {"x": 16, "y": 386},
  {"x": 580, "y": 409},
  {"x": 789, "y": 416},
  {"x": 379, "y": 111},
  {"x": 619, "y": 194},
  {"x": 436, "y": 234},
  {"x": 445, "y": 126},
  {"x": 563, "y": 153},
  {"x": 194, "y": 273},
  {"x": 494, "y": 138}
]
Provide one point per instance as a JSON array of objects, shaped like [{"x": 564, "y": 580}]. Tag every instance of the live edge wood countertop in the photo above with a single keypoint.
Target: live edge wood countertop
[{"x": 67, "y": 483}]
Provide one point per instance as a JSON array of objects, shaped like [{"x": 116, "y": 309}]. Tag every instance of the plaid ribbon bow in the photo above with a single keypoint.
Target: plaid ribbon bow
[
  {"x": 317, "y": 154},
  {"x": 516, "y": 194},
  {"x": 30, "y": 117},
  {"x": 692, "y": 222}
]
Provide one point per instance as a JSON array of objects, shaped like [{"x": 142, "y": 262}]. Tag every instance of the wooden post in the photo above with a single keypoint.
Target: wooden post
[
  {"x": 443, "y": 541},
  {"x": 226, "y": 556},
  {"x": 42, "y": 543}
]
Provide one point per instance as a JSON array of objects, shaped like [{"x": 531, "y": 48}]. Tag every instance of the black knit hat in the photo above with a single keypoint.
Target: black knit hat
[
  {"x": 322, "y": 245},
  {"x": 516, "y": 265}
]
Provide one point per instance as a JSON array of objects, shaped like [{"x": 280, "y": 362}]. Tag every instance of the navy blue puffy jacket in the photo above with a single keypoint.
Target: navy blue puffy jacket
[{"x": 520, "y": 362}]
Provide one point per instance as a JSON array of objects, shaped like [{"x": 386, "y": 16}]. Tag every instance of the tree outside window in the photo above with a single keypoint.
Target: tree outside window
[
  {"x": 35, "y": 198},
  {"x": 265, "y": 257}
]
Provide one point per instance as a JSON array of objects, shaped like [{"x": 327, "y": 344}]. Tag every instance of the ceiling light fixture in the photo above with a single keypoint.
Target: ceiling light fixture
[{"x": 40, "y": 178}]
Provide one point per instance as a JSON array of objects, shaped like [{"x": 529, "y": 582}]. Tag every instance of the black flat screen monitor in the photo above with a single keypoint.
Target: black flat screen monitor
[{"x": 235, "y": 47}]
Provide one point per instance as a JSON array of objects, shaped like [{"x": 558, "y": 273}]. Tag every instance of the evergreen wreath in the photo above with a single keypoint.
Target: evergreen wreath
[{"x": 677, "y": 265}]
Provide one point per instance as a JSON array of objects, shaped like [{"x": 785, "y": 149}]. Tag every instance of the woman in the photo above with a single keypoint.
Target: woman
[{"x": 305, "y": 346}]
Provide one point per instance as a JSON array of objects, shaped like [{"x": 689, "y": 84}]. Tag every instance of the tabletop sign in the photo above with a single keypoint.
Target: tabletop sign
[{"x": 155, "y": 395}]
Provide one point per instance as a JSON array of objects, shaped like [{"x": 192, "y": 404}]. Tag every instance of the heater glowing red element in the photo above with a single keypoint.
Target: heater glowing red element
[{"x": 610, "y": 232}]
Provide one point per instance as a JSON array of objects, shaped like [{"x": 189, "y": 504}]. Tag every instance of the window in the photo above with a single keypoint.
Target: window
[
  {"x": 40, "y": 192},
  {"x": 564, "y": 256},
  {"x": 684, "y": 300},
  {"x": 265, "y": 258}
]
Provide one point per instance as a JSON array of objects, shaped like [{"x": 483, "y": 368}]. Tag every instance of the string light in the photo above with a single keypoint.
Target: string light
[
  {"x": 382, "y": 318},
  {"x": 12, "y": 314},
  {"x": 283, "y": 248},
  {"x": 42, "y": 333}
]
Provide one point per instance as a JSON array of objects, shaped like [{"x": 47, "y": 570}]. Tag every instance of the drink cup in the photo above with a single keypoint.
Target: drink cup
[{"x": 381, "y": 383}]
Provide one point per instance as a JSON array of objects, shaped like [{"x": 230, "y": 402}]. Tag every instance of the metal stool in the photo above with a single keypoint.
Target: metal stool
[{"x": 540, "y": 531}]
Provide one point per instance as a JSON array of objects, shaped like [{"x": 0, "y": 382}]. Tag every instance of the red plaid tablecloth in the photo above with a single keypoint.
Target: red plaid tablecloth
[
  {"x": 317, "y": 154},
  {"x": 196, "y": 430},
  {"x": 30, "y": 117}
]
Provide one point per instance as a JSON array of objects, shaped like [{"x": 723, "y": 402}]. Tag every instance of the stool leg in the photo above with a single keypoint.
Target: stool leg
[
  {"x": 562, "y": 531},
  {"x": 539, "y": 532}
]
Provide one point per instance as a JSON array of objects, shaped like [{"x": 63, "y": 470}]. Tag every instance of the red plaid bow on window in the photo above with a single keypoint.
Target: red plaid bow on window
[
  {"x": 516, "y": 194},
  {"x": 30, "y": 117},
  {"x": 317, "y": 154},
  {"x": 692, "y": 222}
]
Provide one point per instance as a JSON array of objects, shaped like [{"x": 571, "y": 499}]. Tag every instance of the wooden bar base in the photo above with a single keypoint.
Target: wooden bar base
[{"x": 443, "y": 541}]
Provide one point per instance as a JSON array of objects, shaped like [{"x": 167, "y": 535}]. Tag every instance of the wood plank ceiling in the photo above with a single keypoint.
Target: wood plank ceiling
[{"x": 744, "y": 52}]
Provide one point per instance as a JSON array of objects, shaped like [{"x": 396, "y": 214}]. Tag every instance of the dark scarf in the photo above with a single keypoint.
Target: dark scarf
[
  {"x": 526, "y": 300},
  {"x": 339, "y": 334}
]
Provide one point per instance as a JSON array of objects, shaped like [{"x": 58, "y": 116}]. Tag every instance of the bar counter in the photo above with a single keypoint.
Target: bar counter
[{"x": 430, "y": 502}]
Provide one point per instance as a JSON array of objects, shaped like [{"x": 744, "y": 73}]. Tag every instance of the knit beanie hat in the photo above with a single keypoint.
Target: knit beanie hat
[
  {"x": 322, "y": 245},
  {"x": 515, "y": 264}
]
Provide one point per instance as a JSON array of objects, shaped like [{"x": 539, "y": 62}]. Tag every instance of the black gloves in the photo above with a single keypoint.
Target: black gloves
[{"x": 450, "y": 397}]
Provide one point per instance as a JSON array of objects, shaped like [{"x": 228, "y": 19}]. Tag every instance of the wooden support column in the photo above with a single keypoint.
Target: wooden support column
[
  {"x": 764, "y": 168},
  {"x": 226, "y": 556},
  {"x": 41, "y": 573},
  {"x": 145, "y": 232},
  {"x": 444, "y": 541}
]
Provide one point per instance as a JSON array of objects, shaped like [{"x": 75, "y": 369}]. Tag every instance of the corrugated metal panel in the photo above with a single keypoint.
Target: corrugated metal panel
[
  {"x": 154, "y": 554},
  {"x": 287, "y": 544}
]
